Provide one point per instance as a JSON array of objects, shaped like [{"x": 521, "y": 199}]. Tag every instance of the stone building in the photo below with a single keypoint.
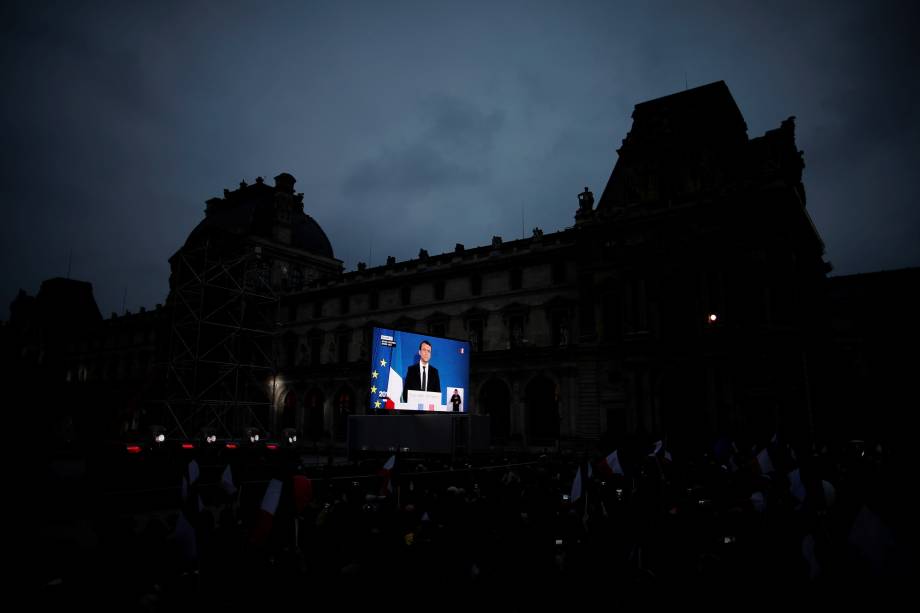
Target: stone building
[
  {"x": 690, "y": 299},
  {"x": 682, "y": 303}
]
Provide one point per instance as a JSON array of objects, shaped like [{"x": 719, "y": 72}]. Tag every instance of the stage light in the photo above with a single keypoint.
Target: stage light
[
  {"x": 158, "y": 433},
  {"x": 712, "y": 318},
  {"x": 133, "y": 448},
  {"x": 289, "y": 436},
  {"x": 208, "y": 436},
  {"x": 188, "y": 445},
  {"x": 252, "y": 435}
]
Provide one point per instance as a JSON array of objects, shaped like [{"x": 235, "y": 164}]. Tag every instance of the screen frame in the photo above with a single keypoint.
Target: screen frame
[{"x": 401, "y": 356}]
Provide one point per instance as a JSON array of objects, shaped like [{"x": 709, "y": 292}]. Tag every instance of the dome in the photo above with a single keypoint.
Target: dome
[
  {"x": 255, "y": 210},
  {"x": 309, "y": 236}
]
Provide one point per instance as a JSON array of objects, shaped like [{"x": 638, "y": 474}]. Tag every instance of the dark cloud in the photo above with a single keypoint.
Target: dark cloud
[
  {"x": 460, "y": 125},
  {"x": 443, "y": 123},
  {"x": 415, "y": 167},
  {"x": 452, "y": 149}
]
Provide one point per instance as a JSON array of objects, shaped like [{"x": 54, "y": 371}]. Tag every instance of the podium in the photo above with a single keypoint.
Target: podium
[{"x": 423, "y": 401}]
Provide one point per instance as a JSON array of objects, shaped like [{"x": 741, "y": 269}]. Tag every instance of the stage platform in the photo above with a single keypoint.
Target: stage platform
[{"x": 447, "y": 433}]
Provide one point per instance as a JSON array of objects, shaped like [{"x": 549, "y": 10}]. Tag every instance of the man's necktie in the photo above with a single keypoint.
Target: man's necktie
[{"x": 425, "y": 379}]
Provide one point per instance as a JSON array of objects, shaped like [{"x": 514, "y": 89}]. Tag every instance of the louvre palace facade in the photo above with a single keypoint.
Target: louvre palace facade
[{"x": 689, "y": 299}]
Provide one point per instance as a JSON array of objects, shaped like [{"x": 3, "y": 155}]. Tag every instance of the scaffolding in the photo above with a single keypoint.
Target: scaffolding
[{"x": 221, "y": 358}]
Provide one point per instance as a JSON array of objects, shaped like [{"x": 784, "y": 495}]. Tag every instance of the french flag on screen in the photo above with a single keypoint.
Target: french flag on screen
[{"x": 394, "y": 379}]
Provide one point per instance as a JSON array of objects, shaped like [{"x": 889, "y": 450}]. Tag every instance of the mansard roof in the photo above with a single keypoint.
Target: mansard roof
[
  {"x": 702, "y": 125},
  {"x": 67, "y": 303}
]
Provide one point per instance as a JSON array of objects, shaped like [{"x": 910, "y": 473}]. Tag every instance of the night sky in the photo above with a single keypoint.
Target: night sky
[{"x": 420, "y": 125}]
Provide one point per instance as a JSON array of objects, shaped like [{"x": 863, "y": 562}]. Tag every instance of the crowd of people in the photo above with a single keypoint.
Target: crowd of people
[{"x": 635, "y": 523}]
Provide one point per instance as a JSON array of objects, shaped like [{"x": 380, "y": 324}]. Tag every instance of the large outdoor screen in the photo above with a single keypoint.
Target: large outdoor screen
[{"x": 418, "y": 372}]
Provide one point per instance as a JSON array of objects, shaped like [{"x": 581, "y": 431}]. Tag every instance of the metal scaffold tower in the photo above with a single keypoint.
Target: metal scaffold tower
[{"x": 221, "y": 366}]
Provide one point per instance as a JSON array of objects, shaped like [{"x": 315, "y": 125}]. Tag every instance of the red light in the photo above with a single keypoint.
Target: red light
[
  {"x": 232, "y": 445},
  {"x": 188, "y": 446},
  {"x": 133, "y": 448},
  {"x": 271, "y": 446}
]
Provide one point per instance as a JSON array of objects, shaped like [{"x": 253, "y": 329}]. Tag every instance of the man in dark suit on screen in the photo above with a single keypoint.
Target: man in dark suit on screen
[{"x": 422, "y": 376}]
